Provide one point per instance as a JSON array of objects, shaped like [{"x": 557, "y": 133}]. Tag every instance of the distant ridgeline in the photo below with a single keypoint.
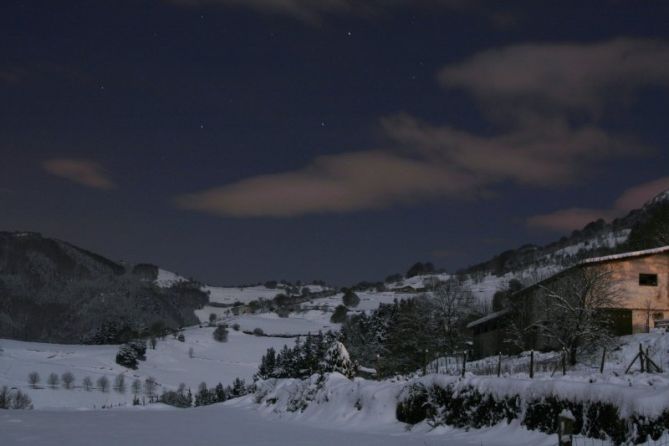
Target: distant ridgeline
[
  {"x": 643, "y": 228},
  {"x": 53, "y": 291}
]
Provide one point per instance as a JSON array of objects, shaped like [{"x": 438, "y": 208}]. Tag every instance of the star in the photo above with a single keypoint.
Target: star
[{"x": 323, "y": 124}]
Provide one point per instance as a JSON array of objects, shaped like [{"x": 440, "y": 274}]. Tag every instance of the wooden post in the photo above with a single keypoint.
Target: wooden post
[
  {"x": 425, "y": 363},
  {"x": 648, "y": 360},
  {"x": 566, "y": 423},
  {"x": 464, "y": 363},
  {"x": 564, "y": 363},
  {"x": 601, "y": 366},
  {"x": 642, "y": 359},
  {"x": 531, "y": 364},
  {"x": 499, "y": 364}
]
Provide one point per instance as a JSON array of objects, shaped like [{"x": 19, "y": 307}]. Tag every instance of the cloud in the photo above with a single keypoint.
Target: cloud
[
  {"x": 314, "y": 10},
  {"x": 335, "y": 183},
  {"x": 85, "y": 172},
  {"x": 549, "y": 152},
  {"x": 428, "y": 162},
  {"x": 545, "y": 78},
  {"x": 576, "y": 218},
  {"x": 541, "y": 101}
]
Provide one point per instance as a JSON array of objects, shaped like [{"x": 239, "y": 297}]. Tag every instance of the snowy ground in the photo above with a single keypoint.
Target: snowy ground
[
  {"x": 222, "y": 424},
  {"x": 170, "y": 364}
]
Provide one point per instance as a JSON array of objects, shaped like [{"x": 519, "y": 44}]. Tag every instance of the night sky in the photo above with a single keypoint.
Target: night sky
[{"x": 238, "y": 141}]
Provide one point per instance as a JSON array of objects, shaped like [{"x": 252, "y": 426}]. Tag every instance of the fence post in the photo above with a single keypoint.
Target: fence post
[
  {"x": 499, "y": 364},
  {"x": 425, "y": 364},
  {"x": 464, "y": 362},
  {"x": 601, "y": 366},
  {"x": 642, "y": 359},
  {"x": 531, "y": 364},
  {"x": 566, "y": 423}
]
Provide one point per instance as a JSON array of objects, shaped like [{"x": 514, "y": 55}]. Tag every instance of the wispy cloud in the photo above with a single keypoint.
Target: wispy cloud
[
  {"x": 530, "y": 94},
  {"x": 565, "y": 220},
  {"x": 337, "y": 183},
  {"x": 84, "y": 172},
  {"x": 522, "y": 81}
]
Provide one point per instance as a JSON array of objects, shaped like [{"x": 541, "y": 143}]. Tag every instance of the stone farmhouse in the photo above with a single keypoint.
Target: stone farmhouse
[{"x": 639, "y": 279}]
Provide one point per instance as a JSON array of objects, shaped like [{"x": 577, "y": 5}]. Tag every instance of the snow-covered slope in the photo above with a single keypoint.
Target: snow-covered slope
[{"x": 170, "y": 364}]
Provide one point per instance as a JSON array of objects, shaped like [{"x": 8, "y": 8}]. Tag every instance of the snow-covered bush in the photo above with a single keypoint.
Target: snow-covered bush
[
  {"x": 14, "y": 399},
  {"x": 598, "y": 412},
  {"x": 127, "y": 357},
  {"x": 131, "y": 352},
  {"x": 179, "y": 398}
]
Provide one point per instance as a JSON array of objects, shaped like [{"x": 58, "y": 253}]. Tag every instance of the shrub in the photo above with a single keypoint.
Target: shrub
[
  {"x": 350, "y": 299},
  {"x": 221, "y": 333},
  {"x": 87, "y": 383},
  {"x": 180, "y": 398},
  {"x": 258, "y": 331},
  {"x": 181, "y": 338},
  {"x": 236, "y": 326},
  {"x": 339, "y": 315},
  {"x": 14, "y": 399},
  {"x": 127, "y": 357}
]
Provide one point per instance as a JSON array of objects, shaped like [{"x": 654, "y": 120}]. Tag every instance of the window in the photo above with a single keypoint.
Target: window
[{"x": 648, "y": 279}]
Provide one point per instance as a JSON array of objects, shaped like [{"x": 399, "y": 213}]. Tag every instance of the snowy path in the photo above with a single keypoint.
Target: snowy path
[{"x": 220, "y": 425}]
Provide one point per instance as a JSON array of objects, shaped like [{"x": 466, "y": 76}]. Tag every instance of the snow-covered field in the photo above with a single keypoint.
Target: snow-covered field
[{"x": 170, "y": 364}]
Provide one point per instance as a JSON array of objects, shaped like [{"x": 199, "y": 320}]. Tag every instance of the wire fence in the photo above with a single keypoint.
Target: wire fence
[
  {"x": 502, "y": 365},
  {"x": 579, "y": 440}
]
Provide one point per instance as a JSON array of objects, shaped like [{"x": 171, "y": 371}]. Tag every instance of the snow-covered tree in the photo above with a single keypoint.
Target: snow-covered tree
[
  {"x": 127, "y": 357},
  {"x": 87, "y": 383},
  {"x": 337, "y": 359}
]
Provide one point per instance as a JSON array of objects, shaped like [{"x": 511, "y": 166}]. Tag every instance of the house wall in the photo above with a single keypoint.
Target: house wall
[{"x": 647, "y": 303}]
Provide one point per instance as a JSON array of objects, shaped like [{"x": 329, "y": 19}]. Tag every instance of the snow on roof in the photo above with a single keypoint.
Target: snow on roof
[
  {"x": 624, "y": 255},
  {"x": 488, "y": 317}
]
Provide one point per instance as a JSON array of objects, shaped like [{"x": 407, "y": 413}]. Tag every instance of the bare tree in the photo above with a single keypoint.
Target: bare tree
[
  {"x": 119, "y": 383},
  {"x": 150, "y": 387},
  {"x": 576, "y": 305},
  {"x": 53, "y": 380},
  {"x": 136, "y": 387},
  {"x": 453, "y": 306},
  {"x": 33, "y": 379},
  {"x": 68, "y": 380},
  {"x": 87, "y": 383},
  {"x": 103, "y": 383}
]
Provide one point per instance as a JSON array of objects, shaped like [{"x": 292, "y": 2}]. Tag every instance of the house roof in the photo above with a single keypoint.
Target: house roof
[
  {"x": 625, "y": 255},
  {"x": 488, "y": 317}
]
